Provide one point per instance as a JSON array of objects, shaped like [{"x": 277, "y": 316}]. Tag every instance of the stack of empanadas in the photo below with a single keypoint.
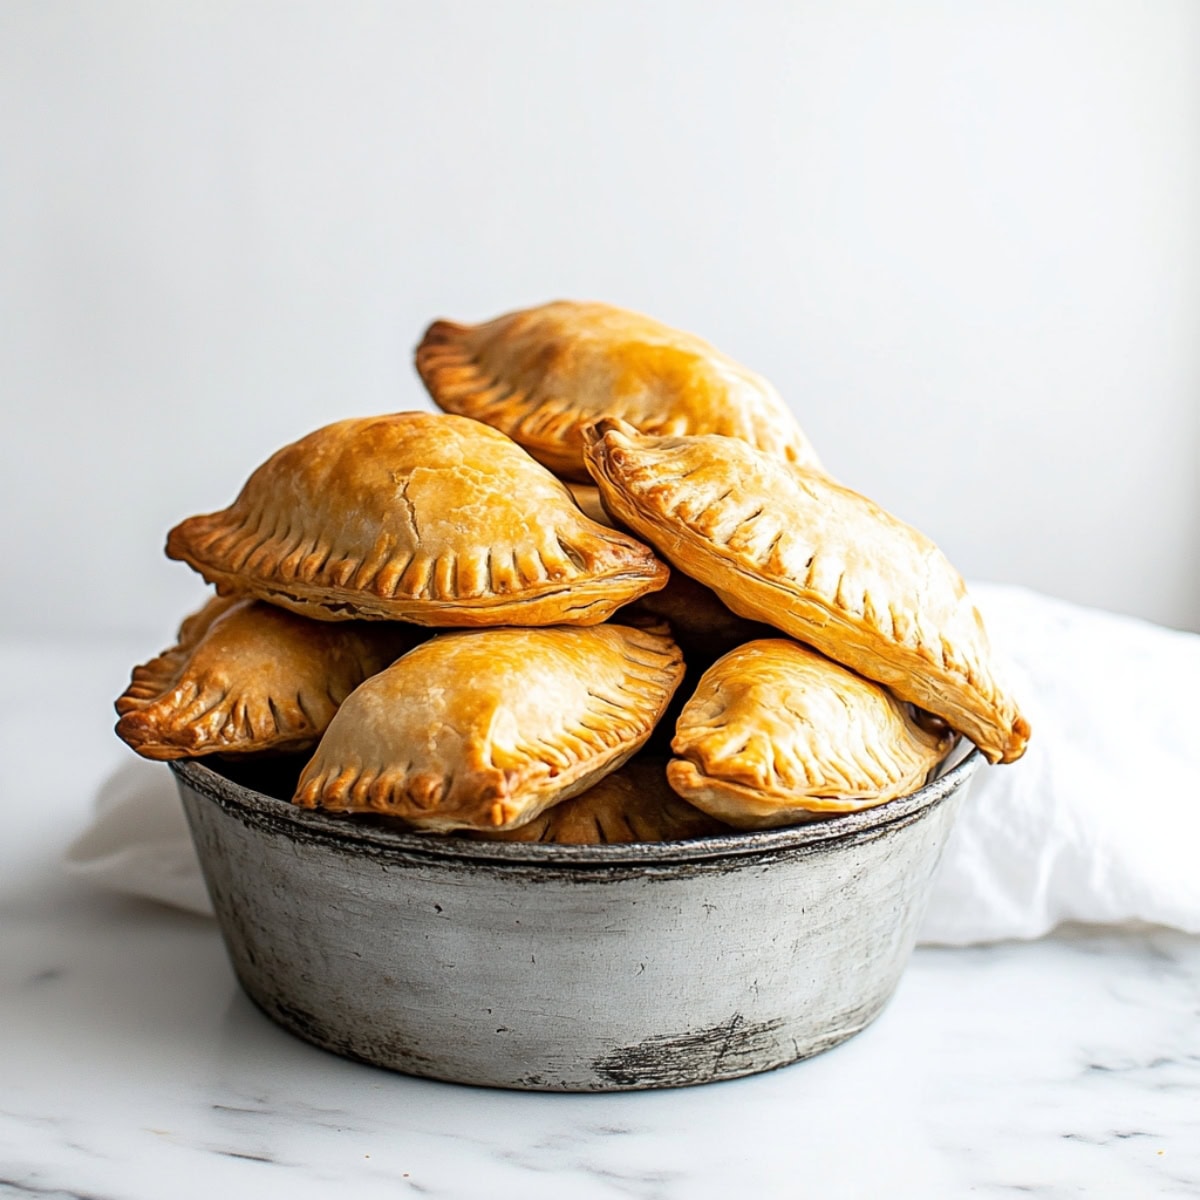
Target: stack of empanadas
[{"x": 478, "y": 618}]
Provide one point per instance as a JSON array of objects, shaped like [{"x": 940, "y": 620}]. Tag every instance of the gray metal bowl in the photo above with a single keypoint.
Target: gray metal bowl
[{"x": 567, "y": 968}]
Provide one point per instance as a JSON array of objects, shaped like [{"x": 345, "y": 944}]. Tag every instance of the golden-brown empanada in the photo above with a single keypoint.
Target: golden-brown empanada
[
  {"x": 633, "y": 804},
  {"x": 776, "y": 734},
  {"x": 793, "y": 549},
  {"x": 485, "y": 729},
  {"x": 542, "y": 374},
  {"x": 418, "y": 517},
  {"x": 245, "y": 676}
]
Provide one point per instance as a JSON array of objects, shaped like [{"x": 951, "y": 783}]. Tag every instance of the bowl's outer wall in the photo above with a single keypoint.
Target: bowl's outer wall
[{"x": 568, "y": 978}]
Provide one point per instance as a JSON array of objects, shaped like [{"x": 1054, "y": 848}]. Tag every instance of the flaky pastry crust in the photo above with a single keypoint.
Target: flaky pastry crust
[
  {"x": 542, "y": 374},
  {"x": 420, "y": 517},
  {"x": 245, "y": 677},
  {"x": 776, "y": 734},
  {"x": 823, "y": 564},
  {"x": 633, "y": 804},
  {"x": 486, "y": 729}
]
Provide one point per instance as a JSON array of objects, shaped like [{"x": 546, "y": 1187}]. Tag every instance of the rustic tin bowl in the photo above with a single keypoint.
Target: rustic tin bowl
[{"x": 567, "y": 968}]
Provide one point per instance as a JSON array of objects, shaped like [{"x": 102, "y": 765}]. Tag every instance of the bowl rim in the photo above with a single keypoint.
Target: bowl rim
[{"x": 347, "y": 830}]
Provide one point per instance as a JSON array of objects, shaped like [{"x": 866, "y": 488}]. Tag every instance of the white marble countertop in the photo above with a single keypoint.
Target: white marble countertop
[{"x": 132, "y": 1068}]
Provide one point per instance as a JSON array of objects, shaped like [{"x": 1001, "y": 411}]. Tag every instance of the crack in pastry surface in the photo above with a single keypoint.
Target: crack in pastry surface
[{"x": 433, "y": 519}]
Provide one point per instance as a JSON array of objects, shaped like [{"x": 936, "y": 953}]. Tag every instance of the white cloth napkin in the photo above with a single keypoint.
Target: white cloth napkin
[
  {"x": 1099, "y": 822},
  {"x": 138, "y": 840}
]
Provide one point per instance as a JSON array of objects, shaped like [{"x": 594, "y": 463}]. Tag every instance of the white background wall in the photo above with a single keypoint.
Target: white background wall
[{"x": 962, "y": 238}]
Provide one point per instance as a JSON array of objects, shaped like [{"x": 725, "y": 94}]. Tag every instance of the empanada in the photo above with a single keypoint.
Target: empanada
[
  {"x": 633, "y": 804},
  {"x": 485, "y": 729},
  {"x": 419, "y": 517},
  {"x": 542, "y": 374},
  {"x": 793, "y": 549},
  {"x": 245, "y": 676},
  {"x": 776, "y": 734}
]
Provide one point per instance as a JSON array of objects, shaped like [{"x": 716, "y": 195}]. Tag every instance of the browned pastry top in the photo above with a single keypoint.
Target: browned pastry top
[
  {"x": 245, "y": 676},
  {"x": 419, "y": 517},
  {"x": 485, "y": 729},
  {"x": 793, "y": 549},
  {"x": 776, "y": 734},
  {"x": 542, "y": 374}
]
